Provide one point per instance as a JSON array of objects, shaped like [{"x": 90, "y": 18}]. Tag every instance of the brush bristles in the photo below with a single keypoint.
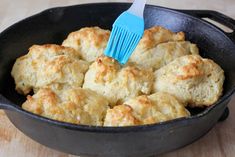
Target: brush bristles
[{"x": 121, "y": 44}]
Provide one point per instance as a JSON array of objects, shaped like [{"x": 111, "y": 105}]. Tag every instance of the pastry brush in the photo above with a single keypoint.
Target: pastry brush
[{"x": 126, "y": 32}]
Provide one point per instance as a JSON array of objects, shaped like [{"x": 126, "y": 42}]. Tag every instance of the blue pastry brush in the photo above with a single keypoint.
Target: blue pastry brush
[{"x": 127, "y": 31}]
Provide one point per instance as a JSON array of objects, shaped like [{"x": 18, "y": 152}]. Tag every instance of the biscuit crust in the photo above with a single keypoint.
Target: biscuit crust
[
  {"x": 116, "y": 83},
  {"x": 141, "y": 110},
  {"x": 156, "y": 35},
  {"x": 162, "y": 54},
  {"x": 192, "y": 79},
  {"x": 46, "y": 65},
  {"x": 76, "y": 105},
  {"x": 90, "y": 42}
]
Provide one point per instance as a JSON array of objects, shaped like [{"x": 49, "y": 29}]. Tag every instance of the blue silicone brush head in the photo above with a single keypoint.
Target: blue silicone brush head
[{"x": 127, "y": 31}]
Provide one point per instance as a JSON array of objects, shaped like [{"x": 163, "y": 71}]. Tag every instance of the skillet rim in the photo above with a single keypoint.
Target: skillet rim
[{"x": 102, "y": 129}]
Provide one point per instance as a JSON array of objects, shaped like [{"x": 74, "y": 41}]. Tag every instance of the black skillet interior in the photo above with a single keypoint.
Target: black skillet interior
[{"x": 52, "y": 26}]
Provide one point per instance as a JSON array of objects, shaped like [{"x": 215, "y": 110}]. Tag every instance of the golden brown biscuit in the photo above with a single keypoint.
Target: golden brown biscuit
[
  {"x": 158, "y": 107},
  {"x": 120, "y": 115},
  {"x": 156, "y": 35},
  {"x": 106, "y": 77},
  {"x": 192, "y": 80},
  {"x": 75, "y": 105},
  {"x": 89, "y": 41},
  {"x": 162, "y": 54},
  {"x": 48, "y": 65}
]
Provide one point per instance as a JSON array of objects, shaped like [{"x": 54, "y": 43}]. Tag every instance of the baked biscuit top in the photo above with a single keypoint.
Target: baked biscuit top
[
  {"x": 90, "y": 42},
  {"x": 159, "y": 46},
  {"x": 46, "y": 65},
  {"x": 156, "y": 108},
  {"x": 162, "y": 54},
  {"x": 156, "y": 35},
  {"x": 74, "y": 105},
  {"x": 192, "y": 79},
  {"x": 117, "y": 83}
]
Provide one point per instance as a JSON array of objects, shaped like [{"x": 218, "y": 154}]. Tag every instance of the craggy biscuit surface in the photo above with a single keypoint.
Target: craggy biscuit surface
[
  {"x": 156, "y": 35},
  {"x": 158, "y": 107},
  {"x": 75, "y": 105},
  {"x": 89, "y": 41},
  {"x": 162, "y": 54},
  {"x": 192, "y": 80},
  {"x": 48, "y": 65},
  {"x": 116, "y": 83}
]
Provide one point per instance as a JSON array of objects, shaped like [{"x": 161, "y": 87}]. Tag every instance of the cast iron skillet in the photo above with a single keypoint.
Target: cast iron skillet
[{"x": 53, "y": 25}]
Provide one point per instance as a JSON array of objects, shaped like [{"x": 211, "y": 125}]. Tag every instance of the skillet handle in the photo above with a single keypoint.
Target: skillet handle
[
  {"x": 216, "y": 16},
  {"x": 6, "y": 104}
]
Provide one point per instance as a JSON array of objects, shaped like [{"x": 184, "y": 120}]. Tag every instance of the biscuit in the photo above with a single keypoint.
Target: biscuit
[
  {"x": 192, "y": 80},
  {"x": 116, "y": 83},
  {"x": 48, "y": 65},
  {"x": 75, "y": 105},
  {"x": 156, "y": 108},
  {"x": 89, "y": 41},
  {"x": 162, "y": 54},
  {"x": 156, "y": 35}
]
